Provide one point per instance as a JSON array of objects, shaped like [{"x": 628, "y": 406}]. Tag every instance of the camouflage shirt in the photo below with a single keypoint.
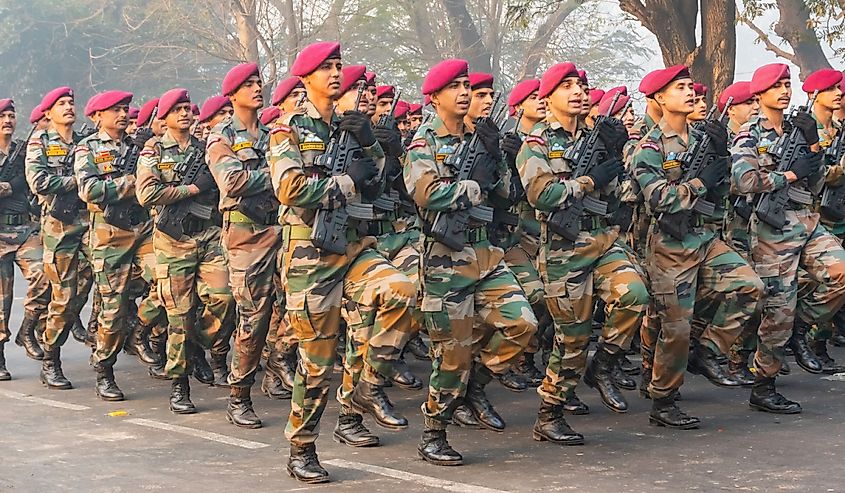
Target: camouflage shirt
[
  {"x": 158, "y": 179},
  {"x": 44, "y": 167},
  {"x": 236, "y": 166},
  {"x": 100, "y": 182}
]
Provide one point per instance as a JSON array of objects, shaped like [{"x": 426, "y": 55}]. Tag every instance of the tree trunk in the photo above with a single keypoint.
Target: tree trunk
[
  {"x": 794, "y": 27},
  {"x": 244, "y": 11},
  {"x": 536, "y": 50},
  {"x": 716, "y": 60},
  {"x": 294, "y": 35},
  {"x": 464, "y": 30}
]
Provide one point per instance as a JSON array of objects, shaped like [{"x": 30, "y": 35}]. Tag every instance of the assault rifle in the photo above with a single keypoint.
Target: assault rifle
[
  {"x": 586, "y": 154},
  {"x": 787, "y": 149},
  {"x": 833, "y": 197},
  {"x": 171, "y": 218},
  {"x": 127, "y": 212},
  {"x": 694, "y": 160},
  {"x": 384, "y": 203},
  {"x": 65, "y": 206},
  {"x": 11, "y": 173}
]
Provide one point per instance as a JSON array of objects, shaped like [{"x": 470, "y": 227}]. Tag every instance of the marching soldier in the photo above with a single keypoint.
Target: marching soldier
[
  {"x": 269, "y": 115},
  {"x": 214, "y": 110},
  {"x": 744, "y": 106},
  {"x": 699, "y": 112},
  {"x": 415, "y": 118}
]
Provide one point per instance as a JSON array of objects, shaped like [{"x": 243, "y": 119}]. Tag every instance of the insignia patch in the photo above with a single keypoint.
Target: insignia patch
[
  {"x": 671, "y": 164},
  {"x": 825, "y": 143},
  {"x": 281, "y": 128},
  {"x": 107, "y": 167},
  {"x": 416, "y": 144},
  {"x": 166, "y": 165},
  {"x": 533, "y": 139},
  {"x": 444, "y": 152},
  {"x": 56, "y": 150},
  {"x": 762, "y": 149},
  {"x": 312, "y": 146},
  {"x": 212, "y": 140},
  {"x": 650, "y": 145},
  {"x": 147, "y": 153},
  {"x": 241, "y": 145},
  {"x": 103, "y": 157}
]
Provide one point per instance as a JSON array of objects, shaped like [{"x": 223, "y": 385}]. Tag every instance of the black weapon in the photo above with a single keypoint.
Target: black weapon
[
  {"x": 833, "y": 197},
  {"x": 127, "y": 212},
  {"x": 586, "y": 154},
  {"x": 694, "y": 160},
  {"x": 171, "y": 218},
  {"x": 787, "y": 149},
  {"x": 8, "y": 170},
  {"x": 262, "y": 207},
  {"x": 384, "y": 203},
  {"x": 65, "y": 206},
  {"x": 516, "y": 192}
]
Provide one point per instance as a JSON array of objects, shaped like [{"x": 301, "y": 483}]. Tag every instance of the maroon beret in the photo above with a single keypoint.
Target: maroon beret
[
  {"x": 284, "y": 89},
  {"x": 237, "y": 75},
  {"x": 385, "y": 92},
  {"x": 604, "y": 104},
  {"x": 195, "y": 110},
  {"x": 371, "y": 78},
  {"x": 480, "y": 80},
  {"x": 522, "y": 90},
  {"x": 7, "y": 105},
  {"x": 133, "y": 112},
  {"x": 269, "y": 114},
  {"x": 146, "y": 111},
  {"x": 595, "y": 96},
  {"x": 842, "y": 84},
  {"x": 700, "y": 89},
  {"x": 212, "y": 105},
  {"x": 740, "y": 91},
  {"x": 51, "y": 97},
  {"x": 554, "y": 76},
  {"x": 415, "y": 109},
  {"x": 582, "y": 76},
  {"x": 401, "y": 110},
  {"x": 170, "y": 99},
  {"x": 350, "y": 75},
  {"x": 608, "y": 95},
  {"x": 656, "y": 80},
  {"x": 767, "y": 76},
  {"x": 36, "y": 115},
  {"x": 313, "y": 55},
  {"x": 440, "y": 75},
  {"x": 426, "y": 101},
  {"x": 106, "y": 100},
  {"x": 822, "y": 80}
]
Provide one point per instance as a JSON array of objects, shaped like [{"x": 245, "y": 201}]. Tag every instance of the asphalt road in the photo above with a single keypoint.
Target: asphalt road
[{"x": 72, "y": 441}]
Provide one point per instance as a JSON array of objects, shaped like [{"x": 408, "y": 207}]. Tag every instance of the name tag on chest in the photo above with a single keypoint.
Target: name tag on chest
[
  {"x": 242, "y": 145},
  {"x": 56, "y": 150}
]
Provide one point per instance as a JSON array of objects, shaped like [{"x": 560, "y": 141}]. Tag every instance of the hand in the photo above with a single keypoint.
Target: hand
[
  {"x": 604, "y": 172},
  {"x": 363, "y": 171},
  {"x": 808, "y": 127},
  {"x": 205, "y": 182},
  {"x": 484, "y": 174},
  {"x": 18, "y": 183},
  {"x": 390, "y": 140},
  {"x": 358, "y": 124},
  {"x": 488, "y": 134},
  {"x": 714, "y": 173},
  {"x": 718, "y": 134},
  {"x": 142, "y": 135},
  {"x": 511, "y": 143},
  {"x": 392, "y": 169},
  {"x": 807, "y": 165},
  {"x": 614, "y": 135}
]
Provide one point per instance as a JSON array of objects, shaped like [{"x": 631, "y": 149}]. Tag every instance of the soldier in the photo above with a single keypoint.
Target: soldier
[
  {"x": 371, "y": 90},
  {"x": 146, "y": 118},
  {"x": 287, "y": 94},
  {"x": 20, "y": 244},
  {"x": 214, "y": 110},
  {"x": 467, "y": 290},
  {"x": 691, "y": 264},
  {"x": 415, "y": 118},
  {"x": 596, "y": 95},
  {"x": 190, "y": 264},
  {"x": 269, "y": 116},
  {"x": 699, "y": 112},
  {"x": 133, "y": 121},
  {"x": 37, "y": 119},
  {"x": 744, "y": 106},
  {"x": 401, "y": 116},
  {"x": 584, "y": 82}
]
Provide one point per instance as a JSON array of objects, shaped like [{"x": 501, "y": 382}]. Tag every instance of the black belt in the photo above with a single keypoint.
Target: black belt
[
  {"x": 14, "y": 219},
  {"x": 194, "y": 226}
]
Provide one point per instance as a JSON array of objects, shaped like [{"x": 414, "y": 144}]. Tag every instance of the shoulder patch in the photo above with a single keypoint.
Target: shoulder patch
[
  {"x": 280, "y": 128},
  {"x": 81, "y": 148},
  {"x": 213, "y": 140},
  {"x": 415, "y": 144},
  {"x": 533, "y": 139},
  {"x": 650, "y": 145},
  {"x": 635, "y": 137},
  {"x": 147, "y": 152},
  {"x": 742, "y": 135}
]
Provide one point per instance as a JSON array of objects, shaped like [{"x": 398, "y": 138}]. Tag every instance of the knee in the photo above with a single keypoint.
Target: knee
[{"x": 403, "y": 293}]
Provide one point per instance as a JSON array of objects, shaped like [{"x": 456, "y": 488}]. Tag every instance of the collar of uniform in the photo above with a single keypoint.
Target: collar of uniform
[
  {"x": 555, "y": 125},
  {"x": 167, "y": 140},
  {"x": 538, "y": 129},
  {"x": 104, "y": 136},
  {"x": 440, "y": 129},
  {"x": 669, "y": 133},
  {"x": 311, "y": 112},
  {"x": 240, "y": 127},
  {"x": 649, "y": 122},
  {"x": 833, "y": 123}
]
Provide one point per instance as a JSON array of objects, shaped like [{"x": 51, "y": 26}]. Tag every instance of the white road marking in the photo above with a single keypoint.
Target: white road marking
[
  {"x": 44, "y": 402},
  {"x": 207, "y": 435},
  {"x": 409, "y": 476}
]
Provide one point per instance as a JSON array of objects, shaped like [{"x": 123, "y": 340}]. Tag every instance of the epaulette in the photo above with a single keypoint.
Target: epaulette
[
  {"x": 635, "y": 137},
  {"x": 81, "y": 148}
]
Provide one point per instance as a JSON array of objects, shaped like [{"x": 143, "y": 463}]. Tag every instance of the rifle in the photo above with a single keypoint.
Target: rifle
[
  {"x": 8, "y": 170},
  {"x": 384, "y": 203},
  {"x": 127, "y": 212},
  {"x": 787, "y": 149},
  {"x": 516, "y": 192},
  {"x": 65, "y": 206},
  {"x": 171, "y": 218},
  {"x": 586, "y": 154},
  {"x": 833, "y": 197},
  {"x": 263, "y": 207}
]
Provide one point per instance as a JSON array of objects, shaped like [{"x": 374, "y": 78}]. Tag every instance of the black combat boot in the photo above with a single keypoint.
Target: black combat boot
[
  {"x": 838, "y": 337},
  {"x": 239, "y": 410},
  {"x": 78, "y": 330},
  {"x": 628, "y": 366},
  {"x": 464, "y": 418},
  {"x": 287, "y": 366},
  {"x": 51, "y": 370},
  {"x": 220, "y": 369},
  {"x": 575, "y": 406},
  {"x": 404, "y": 377},
  {"x": 739, "y": 370},
  {"x": 599, "y": 375},
  {"x": 765, "y": 398},
  {"x": 829, "y": 365},
  {"x": 784, "y": 368},
  {"x": 551, "y": 426},
  {"x": 477, "y": 402},
  {"x": 137, "y": 343},
  {"x": 196, "y": 360},
  {"x": 371, "y": 399},
  {"x": 805, "y": 358},
  {"x": 434, "y": 447},
  {"x": 350, "y": 430},
  {"x": 180, "y": 396},
  {"x": 158, "y": 345},
  {"x": 272, "y": 385},
  {"x": 106, "y": 387},
  {"x": 303, "y": 464},
  {"x": 418, "y": 348},
  {"x": 4, "y": 373},
  {"x": 704, "y": 362},
  {"x": 26, "y": 337},
  {"x": 664, "y": 412},
  {"x": 528, "y": 368},
  {"x": 512, "y": 380},
  {"x": 621, "y": 378}
]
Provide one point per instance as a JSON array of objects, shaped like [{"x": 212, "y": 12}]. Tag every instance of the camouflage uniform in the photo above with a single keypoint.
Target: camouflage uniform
[
  {"x": 574, "y": 273},
  {"x": 377, "y": 295},
  {"x": 699, "y": 267},
  {"x": 67, "y": 258},
  {"x": 190, "y": 268},
  {"x": 777, "y": 255},
  {"x": 466, "y": 291}
]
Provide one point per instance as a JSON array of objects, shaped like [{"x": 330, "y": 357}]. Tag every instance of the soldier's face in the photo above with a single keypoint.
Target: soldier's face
[
  {"x": 628, "y": 118},
  {"x": 347, "y": 100},
  {"x": 114, "y": 118},
  {"x": 677, "y": 97},
  {"x": 415, "y": 121},
  {"x": 454, "y": 99},
  {"x": 223, "y": 113},
  {"x": 382, "y": 106},
  {"x": 133, "y": 125},
  {"x": 42, "y": 124},
  {"x": 289, "y": 104},
  {"x": 742, "y": 112},
  {"x": 325, "y": 81},
  {"x": 585, "y": 100},
  {"x": 63, "y": 112},
  {"x": 568, "y": 97},
  {"x": 830, "y": 99},
  {"x": 371, "y": 100},
  {"x": 158, "y": 127},
  {"x": 249, "y": 94},
  {"x": 403, "y": 125},
  {"x": 778, "y": 96},
  {"x": 179, "y": 118},
  {"x": 534, "y": 108},
  {"x": 699, "y": 109},
  {"x": 481, "y": 103},
  {"x": 8, "y": 122}
]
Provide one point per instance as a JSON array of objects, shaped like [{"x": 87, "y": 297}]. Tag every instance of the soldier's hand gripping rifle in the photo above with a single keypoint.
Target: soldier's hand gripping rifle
[
  {"x": 788, "y": 149},
  {"x": 127, "y": 212},
  {"x": 502, "y": 216},
  {"x": 65, "y": 205},
  {"x": 585, "y": 154},
  {"x": 694, "y": 160},
  {"x": 387, "y": 203},
  {"x": 171, "y": 218},
  {"x": 833, "y": 197}
]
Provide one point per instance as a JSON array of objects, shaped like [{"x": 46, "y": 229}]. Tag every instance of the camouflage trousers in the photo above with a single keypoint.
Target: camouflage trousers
[
  {"x": 802, "y": 243},
  {"x": 463, "y": 293},
  {"x": 371, "y": 350},
  {"x": 189, "y": 270},
  {"x": 316, "y": 283},
  {"x": 574, "y": 274},
  {"x": 123, "y": 265},
  {"x": 67, "y": 267},
  {"x": 251, "y": 253},
  {"x": 522, "y": 264},
  {"x": 21, "y": 245},
  {"x": 280, "y": 336},
  {"x": 681, "y": 278}
]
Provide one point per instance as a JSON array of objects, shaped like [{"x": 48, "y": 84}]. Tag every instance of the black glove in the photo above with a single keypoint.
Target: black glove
[
  {"x": 392, "y": 169},
  {"x": 718, "y": 134},
  {"x": 808, "y": 127},
  {"x": 807, "y": 165},
  {"x": 614, "y": 135},
  {"x": 604, "y": 172},
  {"x": 142, "y": 135},
  {"x": 714, "y": 173},
  {"x": 205, "y": 182},
  {"x": 363, "y": 172},
  {"x": 488, "y": 133},
  {"x": 511, "y": 143},
  {"x": 359, "y": 125},
  {"x": 484, "y": 174},
  {"x": 18, "y": 183},
  {"x": 390, "y": 140}
]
